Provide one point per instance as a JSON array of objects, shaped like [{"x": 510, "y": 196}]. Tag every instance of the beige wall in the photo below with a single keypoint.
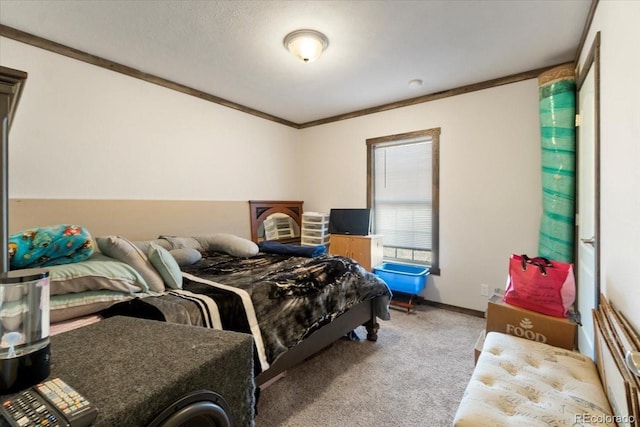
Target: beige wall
[
  {"x": 134, "y": 219},
  {"x": 618, "y": 22},
  {"x": 138, "y": 141},
  {"x": 490, "y": 202},
  {"x": 490, "y": 197},
  {"x": 84, "y": 132}
]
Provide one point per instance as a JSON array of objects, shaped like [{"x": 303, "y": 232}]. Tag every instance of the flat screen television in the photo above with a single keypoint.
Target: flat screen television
[{"x": 356, "y": 221}]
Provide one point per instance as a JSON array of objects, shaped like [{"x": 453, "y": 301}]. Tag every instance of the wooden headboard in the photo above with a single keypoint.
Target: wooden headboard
[
  {"x": 133, "y": 219},
  {"x": 261, "y": 209}
]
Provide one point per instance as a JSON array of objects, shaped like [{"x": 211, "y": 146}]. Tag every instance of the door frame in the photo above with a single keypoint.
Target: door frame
[
  {"x": 592, "y": 61},
  {"x": 11, "y": 86}
]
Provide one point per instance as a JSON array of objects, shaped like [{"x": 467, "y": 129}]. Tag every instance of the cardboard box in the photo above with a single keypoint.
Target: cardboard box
[
  {"x": 478, "y": 347},
  {"x": 512, "y": 320}
]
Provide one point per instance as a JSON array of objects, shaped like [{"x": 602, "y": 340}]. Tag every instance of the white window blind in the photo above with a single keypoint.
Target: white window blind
[{"x": 402, "y": 199}]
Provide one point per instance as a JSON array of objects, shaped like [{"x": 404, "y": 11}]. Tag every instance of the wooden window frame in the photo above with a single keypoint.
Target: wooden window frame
[{"x": 434, "y": 133}]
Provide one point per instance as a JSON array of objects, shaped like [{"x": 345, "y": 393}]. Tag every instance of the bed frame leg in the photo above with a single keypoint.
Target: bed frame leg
[
  {"x": 372, "y": 330},
  {"x": 372, "y": 324}
]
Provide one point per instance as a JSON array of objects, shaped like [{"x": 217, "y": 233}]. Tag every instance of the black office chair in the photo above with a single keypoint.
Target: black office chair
[{"x": 198, "y": 409}]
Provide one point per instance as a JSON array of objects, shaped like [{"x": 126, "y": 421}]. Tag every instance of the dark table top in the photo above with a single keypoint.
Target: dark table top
[{"x": 131, "y": 369}]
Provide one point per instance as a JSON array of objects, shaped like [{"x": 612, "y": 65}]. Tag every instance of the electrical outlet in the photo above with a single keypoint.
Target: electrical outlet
[{"x": 484, "y": 290}]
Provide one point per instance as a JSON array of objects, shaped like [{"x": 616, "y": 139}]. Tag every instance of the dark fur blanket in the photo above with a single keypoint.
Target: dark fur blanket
[
  {"x": 278, "y": 298},
  {"x": 293, "y": 296}
]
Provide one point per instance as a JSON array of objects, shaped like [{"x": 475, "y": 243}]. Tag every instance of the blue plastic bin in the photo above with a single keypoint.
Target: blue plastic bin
[{"x": 410, "y": 279}]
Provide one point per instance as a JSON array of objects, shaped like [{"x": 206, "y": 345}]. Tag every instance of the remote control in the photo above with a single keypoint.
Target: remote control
[{"x": 51, "y": 403}]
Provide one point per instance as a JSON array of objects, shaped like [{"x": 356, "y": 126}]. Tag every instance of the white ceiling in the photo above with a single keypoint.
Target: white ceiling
[{"x": 233, "y": 49}]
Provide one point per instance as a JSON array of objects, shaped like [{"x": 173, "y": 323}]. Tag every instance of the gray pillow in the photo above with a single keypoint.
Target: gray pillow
[
  {"x": 228, "y": 243},
  {"x": 186, "y": 256},
  {"x": 99, "y": 272},
  {"x": 69, "y": 306},
  {"x": 166, "y": 265},
  {"x": 123, "y": 250},
  {"x": 182, "y": 242},
  {"x": 144, "y": 245}
]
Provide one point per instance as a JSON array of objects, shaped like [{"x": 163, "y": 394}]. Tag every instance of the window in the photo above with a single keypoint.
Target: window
[{"x": 403, "y": 177}]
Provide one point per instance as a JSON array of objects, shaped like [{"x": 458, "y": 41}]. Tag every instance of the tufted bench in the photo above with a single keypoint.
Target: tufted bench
[{"x": 518, "y": 382}]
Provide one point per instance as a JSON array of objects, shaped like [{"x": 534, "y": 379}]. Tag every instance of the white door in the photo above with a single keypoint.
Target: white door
[{"x": 587, "y": 230}]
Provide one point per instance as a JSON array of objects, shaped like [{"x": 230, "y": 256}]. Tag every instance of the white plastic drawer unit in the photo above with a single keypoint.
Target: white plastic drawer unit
[
  {"x": 312, "y": 241},
  {"x": 315, "y": 217},
  {"x": 310, "y": 225},
  {"x": 313, "y": 233}
]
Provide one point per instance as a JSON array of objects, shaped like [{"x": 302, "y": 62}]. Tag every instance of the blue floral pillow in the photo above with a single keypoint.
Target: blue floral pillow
[{"x": 46, "y": 246}]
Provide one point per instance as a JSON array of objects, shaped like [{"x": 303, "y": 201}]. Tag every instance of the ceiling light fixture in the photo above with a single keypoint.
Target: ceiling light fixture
[
  {"x": 415, "y": 83},
  {"x": 306, "y": 45}
]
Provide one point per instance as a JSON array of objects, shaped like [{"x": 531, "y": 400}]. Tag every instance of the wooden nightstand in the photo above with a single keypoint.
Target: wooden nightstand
[{"x": 366, "y": 250}]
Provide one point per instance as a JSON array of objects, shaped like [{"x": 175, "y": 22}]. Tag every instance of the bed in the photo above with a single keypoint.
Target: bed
[{"x": 293, "y": 306}]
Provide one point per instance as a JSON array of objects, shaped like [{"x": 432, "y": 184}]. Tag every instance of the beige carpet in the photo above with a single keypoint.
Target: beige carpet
[{"x": 414, "y": 375}]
